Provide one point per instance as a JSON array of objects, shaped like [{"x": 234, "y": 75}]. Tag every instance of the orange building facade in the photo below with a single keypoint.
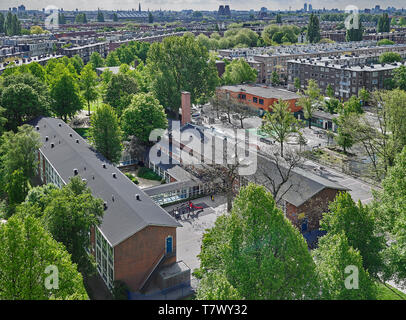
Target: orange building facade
[{"x": 260, "y": 98}]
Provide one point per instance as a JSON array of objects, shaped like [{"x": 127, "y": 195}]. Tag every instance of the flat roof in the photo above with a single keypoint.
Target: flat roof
[
  {"x": 262, "y": 91},
  {"x": 124, "y": 215}
]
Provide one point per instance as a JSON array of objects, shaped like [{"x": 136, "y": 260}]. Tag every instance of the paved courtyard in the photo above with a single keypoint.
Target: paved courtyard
[{"x": 189, "y": 237}]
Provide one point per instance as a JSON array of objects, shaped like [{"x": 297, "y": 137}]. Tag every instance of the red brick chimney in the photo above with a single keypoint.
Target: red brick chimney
[{"x": 186, "y": 113}]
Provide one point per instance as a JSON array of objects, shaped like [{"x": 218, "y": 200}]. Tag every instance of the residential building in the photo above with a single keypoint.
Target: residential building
[
  {"x": 346, "y": 80},
  {"x": 137, "y": 238}
]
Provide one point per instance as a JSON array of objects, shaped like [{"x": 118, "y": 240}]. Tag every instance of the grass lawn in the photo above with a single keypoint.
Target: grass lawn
[
  {"x": 385, "y": 293},
  {"x": 84, "y": 132}
]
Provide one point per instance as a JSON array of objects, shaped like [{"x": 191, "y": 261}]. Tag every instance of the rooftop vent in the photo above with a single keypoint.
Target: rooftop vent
[
  {"x": 105, "y": 205},
  {"x": 104, "y": 166},
  {"x": 75, "y": 172},
  {"x": 46, "y": 138},
  {"x": 37, "y": 128},
  {"x": 70, "y": 135},
  {"x": 77, "y": 140},
  {"x": 114, "y": 175},
  {"x": 137, "y": 196},
  {"x": 112, "y": 197},
  {"x": 52, "y": 145},
  {"x": 60, "y": 124},
  {"x": 84, "y": 180}
]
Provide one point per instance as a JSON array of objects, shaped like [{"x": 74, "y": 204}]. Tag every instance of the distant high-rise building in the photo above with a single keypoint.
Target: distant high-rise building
[
  {"x": 310, "y": 8},
  {"x": 221, "y": 10},
  {"x": 139, "y": 7},
  {"x": 305, "y": 7},
  {"x": 21, "y": 8},
  {"x": 263, "y": 9}
]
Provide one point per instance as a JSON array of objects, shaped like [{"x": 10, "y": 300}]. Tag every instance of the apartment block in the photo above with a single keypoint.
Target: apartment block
[{"x": 346, "y": 80}]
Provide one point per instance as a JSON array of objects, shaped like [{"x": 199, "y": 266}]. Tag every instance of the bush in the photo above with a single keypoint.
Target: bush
[
  {"x": 132, "y": 178},
  {"x": 120, "y": 290},
  {"x": 148, "y": 174}
]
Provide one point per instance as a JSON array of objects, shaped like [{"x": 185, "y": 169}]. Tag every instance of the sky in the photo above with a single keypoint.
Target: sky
[{"x": 195, "y": 4}]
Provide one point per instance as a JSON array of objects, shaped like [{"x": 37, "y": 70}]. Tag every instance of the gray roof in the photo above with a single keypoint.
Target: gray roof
[
  {"x": 125, "y": 215},
  {"x": 301, "y": 186},
  {"x": 262, "y": 91}
]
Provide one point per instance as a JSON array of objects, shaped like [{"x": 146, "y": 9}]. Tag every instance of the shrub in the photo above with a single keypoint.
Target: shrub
[
  {"x": 148, "y": 174},
  {"x": 132, "y": 178}
]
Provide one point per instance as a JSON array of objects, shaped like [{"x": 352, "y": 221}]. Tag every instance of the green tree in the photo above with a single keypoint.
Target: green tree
[
  {"x": 150, "y": 18},
  {"x": 17, "y": 187},
  {"x": 359, "y": 225},
  {"x": 88, "y": 83},
  {"x": 81, "y": 18},
  {"x": 26, "y": 251},
  {"x": 344, "y": 138},
  {"x": 355, "y": 32},
  {"x": 275, "y": 78},
  {"x": 19, "y": 151},
  {"x": 385, "y": 42},
  {"x": 364, "y": 96},
  {"x": 100, "y": 16},
  {"x": 297, "y": 84},
  {"x": 390, "y": 208},
  {"x": 180, "y": 64},
  {"x": 310, "y": 100},
  {"x": 40, "y": 196},
  {"x": 330, "y": 91},
  {"x": 77, "y": 62},
  {"x": 399, "y": 77},
  {"x": 105, "y": 133},
  {"x": 278, "y": 18},
  {"x": 313, "y": 29},
  {"x": 256, "y": 253},
  {"x": 280, "y": 124},
  {"x": 96, "y": 60},
  {"x": 70, "y": 215},
  {"x": 383, "y": 23},
  {"x": 333, "y": 256},
  {"x": 119, "y": 91},
  {"x": 142, "y": 116},
  {"x": 23, "y": 97},
  {"x": 65, "y": 94},
  {"x": 353, "y": 105},
  {"x": 390, "y": 57},
  {"x": 239, "y": 71},
  {"x": 112, "y": 60}
]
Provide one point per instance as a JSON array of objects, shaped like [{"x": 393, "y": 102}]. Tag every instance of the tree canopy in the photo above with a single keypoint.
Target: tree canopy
[
  {"x": 26, "y": 251},
  {"x": 105, "y": 133},
  {"x": 142, "y": 116},
  {"x": 180, "y": 64},
  {"x": 255, "y": 253}
]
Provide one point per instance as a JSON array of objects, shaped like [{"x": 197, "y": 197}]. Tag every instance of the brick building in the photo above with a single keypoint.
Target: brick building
[
  {"x": 260, "y": 98},
  {"x": 137, "y": 238},
  {"x": 86, "y": 51},
  {"x": 346, "y": 80}
]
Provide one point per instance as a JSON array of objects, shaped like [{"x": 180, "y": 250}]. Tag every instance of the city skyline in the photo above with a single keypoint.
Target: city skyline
[{"x": 203, "y": 5}]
